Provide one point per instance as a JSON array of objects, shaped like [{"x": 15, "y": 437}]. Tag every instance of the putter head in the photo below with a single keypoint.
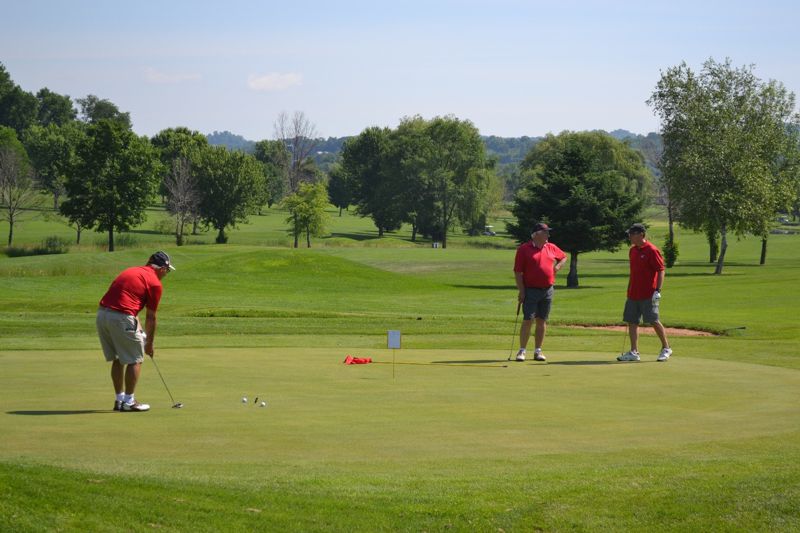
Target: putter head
[{"x": 177, "y": 405}]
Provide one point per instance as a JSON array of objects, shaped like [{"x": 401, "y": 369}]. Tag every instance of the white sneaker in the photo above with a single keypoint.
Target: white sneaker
[
  {"x": 135, "y": 407},
  {"x": 629, "y": 356},
  {"x": 664, "y": 355},
  {"x": 521, "y": 355},
  {"x": 538, "y": 355}
]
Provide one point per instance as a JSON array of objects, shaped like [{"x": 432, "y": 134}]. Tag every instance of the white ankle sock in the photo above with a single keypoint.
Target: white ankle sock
[{"x": 128, "y": 398}]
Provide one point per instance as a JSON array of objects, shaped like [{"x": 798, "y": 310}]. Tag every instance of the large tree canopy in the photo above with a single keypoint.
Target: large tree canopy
[
  {"x": 229, "y": 183},
  {"x": 430, "y": 173},
  {"x": 114, "y": 181},
  {"x": 730, "y": 148},
  {"x": 589, "y": 186}
]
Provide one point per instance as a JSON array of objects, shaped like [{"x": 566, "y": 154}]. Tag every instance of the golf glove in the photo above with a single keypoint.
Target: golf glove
[{"x": 656, "y": 297}]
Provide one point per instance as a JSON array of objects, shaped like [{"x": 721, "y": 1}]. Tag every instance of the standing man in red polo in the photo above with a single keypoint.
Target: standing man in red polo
[
  {"x": 123, "y": 341},
  {"x": 644, "y": 293},
  {"x": 535, "y": 267}
]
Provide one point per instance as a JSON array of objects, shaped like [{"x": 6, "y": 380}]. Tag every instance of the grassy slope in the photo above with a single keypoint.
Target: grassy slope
[{"x": 708, "y": 442}]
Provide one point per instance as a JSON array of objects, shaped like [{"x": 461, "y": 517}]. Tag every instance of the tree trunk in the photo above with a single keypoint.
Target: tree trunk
[
  {"x": 221, "y": 237},
  {"x": 671, "y": 221},
  {"x": 78, "y": 238},
  {"x": 723, "y": 248},
  {"x": 111, "y": 239},
  {"x": 413, "y": 233},
  {"x": 763, "y": 251},
  {"x": 308, "y": 238},
  {"x": 713, "y": 246},
  {"x": 10, "y": 233},
  {"x": 572, "y": 277}
]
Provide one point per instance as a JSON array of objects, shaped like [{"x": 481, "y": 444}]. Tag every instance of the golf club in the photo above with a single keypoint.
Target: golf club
[
  {"x": 175, "y": 405},
  {"x": 514, "y": 335}
]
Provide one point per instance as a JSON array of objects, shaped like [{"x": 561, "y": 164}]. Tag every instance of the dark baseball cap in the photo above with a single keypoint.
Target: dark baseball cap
[
  {"x": 540, "y": 226},
  {"x": 160, "y": 259},
  {"x": 636, "y": 228}
]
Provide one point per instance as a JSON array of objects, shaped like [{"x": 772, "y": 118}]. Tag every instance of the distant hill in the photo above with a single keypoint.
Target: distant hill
[
  {"x": 231, "y": 141},
  {"x": 509, "y": 151}
]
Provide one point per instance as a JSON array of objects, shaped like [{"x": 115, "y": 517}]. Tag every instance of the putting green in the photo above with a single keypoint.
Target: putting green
[{"x": 56, "y": 409}]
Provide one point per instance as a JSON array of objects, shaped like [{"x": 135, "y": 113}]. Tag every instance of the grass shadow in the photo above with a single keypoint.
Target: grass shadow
[{"x": 61, "y": 412}]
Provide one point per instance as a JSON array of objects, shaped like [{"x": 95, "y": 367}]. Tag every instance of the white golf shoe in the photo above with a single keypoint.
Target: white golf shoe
[
  {"x": 629, "y": 356},
  {"x": 135, "y": 407},
  {"x": 664, "y": 355},
  {"x": 538, "y": 355},
  {"x": 521, "y": 355}
]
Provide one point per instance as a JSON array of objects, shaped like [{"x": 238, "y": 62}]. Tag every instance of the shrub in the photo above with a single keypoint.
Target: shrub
[
  {"x": 50, "y": 245},
  {"x": 670, "y": 253},
  {"x": 165, "y": 226}
]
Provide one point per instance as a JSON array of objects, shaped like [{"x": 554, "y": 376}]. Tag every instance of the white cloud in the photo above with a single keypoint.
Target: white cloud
[
  {"x": 274, "y": 81},
  {"x": 154, "y": 76}
]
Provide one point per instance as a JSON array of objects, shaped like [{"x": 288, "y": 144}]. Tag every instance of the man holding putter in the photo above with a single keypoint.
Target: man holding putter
[
  {"x": 535, "y": 267},
  {"x": 121, "y": 337}
]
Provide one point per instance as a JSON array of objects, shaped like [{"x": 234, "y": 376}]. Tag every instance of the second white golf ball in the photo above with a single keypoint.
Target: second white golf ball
[
  {"x": 263, "y": 404},
  {"x": 244, "y": 399}
]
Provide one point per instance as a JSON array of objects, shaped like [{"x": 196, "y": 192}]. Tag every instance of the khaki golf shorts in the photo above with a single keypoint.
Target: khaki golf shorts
[{"x": 120, "y": 336}]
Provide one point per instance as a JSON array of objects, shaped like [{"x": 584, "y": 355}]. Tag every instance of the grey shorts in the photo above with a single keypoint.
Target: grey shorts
[
  {"x": 120, "y": 336},
  {"x": 640, "y": 310},
  {"x": 537, "y": 303}
]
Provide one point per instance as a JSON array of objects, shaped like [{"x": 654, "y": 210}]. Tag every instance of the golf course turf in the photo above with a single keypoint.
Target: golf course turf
[{"x": 709, "y": 441}]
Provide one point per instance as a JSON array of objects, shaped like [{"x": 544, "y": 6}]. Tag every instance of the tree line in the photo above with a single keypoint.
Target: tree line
[{"x": 725, "y": 161}]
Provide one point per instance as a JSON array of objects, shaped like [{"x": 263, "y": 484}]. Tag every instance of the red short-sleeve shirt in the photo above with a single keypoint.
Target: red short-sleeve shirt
[
  {"x": 134, "y": 289},
  {"x": 646, "y": 262},
  {"x": 536, "y": 264}
]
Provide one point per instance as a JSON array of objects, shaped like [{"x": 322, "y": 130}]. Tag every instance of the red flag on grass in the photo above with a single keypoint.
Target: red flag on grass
[{"x": 350, "y": 360}]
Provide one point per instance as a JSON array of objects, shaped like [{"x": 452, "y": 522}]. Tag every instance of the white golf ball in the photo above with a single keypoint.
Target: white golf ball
[
  {"x": 263, "y": 404},
  {"x": 244, "y": 399}
]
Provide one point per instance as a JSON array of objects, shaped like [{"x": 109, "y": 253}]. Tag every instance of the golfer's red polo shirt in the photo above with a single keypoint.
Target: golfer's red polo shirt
[
  {"x": 132, "y": 290},
  {"x": 646, "y": 263},
  {"x": 536, "y": 264}
]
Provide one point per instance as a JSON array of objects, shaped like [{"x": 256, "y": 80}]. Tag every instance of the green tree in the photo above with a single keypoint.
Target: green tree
[
  {"x": 340, "y": 188},
  {"x": 93, "y": 109},
  {"x": 114, "y": 181},
  {"x": 730, "y": 148},
  {"x": 365, "y": 161},
  {"x": 54, "y": 108},
  {"x": 18, "y": 108},
  {"x": 276, "y": 160},
  {"x": 52, "y": 149},
  {"x": 175, "y": 144},
  {"x": 307, "y": 211},
  {"x": 589, "y": 186},
  {"x": 18, "y": 191},
  {"x": 457, "y": 154},
  {"x": 229, "y": 183}
]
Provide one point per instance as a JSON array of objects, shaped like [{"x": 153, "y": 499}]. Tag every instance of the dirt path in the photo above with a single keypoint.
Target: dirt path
[{"x": 647, "y": 330}]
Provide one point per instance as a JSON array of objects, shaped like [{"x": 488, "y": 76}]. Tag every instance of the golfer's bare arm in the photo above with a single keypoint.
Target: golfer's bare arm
[
  {"x": 520, "y": 286},
  {"x": 150, "y": 329},
  {"x": 660, "y": 281},
  {"x": 560, "y": 264}
]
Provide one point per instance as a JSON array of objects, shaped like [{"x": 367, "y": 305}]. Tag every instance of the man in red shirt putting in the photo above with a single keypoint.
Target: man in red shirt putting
[
  {"x": 535, "y": 267},
  {"x": 644, "y": 293},
  {"x": 121, "y": 337}
]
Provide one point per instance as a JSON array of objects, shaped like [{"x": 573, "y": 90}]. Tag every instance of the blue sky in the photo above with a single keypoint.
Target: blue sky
[{"x": 511, "y": 67}]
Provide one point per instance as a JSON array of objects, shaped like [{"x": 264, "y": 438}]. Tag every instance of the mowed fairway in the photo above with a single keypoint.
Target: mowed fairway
[{"x": 446, "y": 439}]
